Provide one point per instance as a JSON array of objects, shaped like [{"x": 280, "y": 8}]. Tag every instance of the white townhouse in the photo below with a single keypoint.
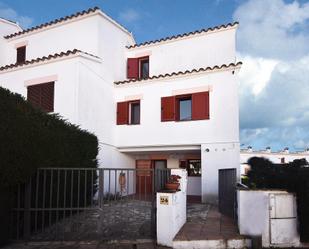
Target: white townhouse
[{"x": 169, "y": 103}]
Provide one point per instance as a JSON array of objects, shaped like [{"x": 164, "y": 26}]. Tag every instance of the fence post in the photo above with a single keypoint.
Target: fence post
[
  {"x": 100, "y": 199},
  {"x": 27, "y": 214}
]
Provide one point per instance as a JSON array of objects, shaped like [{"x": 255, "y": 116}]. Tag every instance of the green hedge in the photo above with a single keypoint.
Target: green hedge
[
  {"x": 31, "y": 139},
  {"x": 294, "y": 177}
]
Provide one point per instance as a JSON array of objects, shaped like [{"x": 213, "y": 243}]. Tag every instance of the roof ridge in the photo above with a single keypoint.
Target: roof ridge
[
  {"x": 167, "y": 38},
  {"x": 181, "y": 73},
  {"x": 53, "y": 22},
  {"x": 46, "y": 58},
  {"x": 8, "y": 20}
]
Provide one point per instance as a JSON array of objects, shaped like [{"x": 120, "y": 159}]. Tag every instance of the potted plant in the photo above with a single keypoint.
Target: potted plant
[{"x": 173, "y": 182}]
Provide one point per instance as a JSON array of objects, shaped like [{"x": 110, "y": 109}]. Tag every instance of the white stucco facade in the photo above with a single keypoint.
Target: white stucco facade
[{"x": 86, "y": 94}]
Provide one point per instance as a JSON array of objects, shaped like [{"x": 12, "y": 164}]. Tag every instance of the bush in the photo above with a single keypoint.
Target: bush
[
  {"x": 294, "y": 177},
  {"x": 31, "y": 139}
]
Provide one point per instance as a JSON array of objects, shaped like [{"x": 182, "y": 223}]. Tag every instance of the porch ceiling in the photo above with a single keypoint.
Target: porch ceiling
[{"x": 161, "y": 149}]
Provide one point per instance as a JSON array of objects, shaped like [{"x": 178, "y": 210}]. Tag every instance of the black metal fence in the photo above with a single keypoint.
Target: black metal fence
[{"x": 87, "y": 204}]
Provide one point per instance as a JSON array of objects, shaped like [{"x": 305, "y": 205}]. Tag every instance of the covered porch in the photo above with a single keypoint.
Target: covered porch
[{"x": 171, "y": 157}]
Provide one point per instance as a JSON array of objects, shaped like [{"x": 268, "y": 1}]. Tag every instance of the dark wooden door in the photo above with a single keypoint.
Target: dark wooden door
[
  {"x": 143, "y": 177},
  {"x": 227, "y": 192}
]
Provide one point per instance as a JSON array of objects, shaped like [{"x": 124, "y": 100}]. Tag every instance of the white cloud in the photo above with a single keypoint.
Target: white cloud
[
  {"x": 10, "y": 14},
  {"x": 129, "y": 15},
  {"x": 273, "y": 28},
  {"x": 274, "y": 79}
]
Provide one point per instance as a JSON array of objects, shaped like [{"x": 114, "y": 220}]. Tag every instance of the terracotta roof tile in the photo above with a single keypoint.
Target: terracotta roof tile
[
  {"x": 62, "y": 19},
  {"x": 46, "y": 58},
  {"x": 184, "y": 35},
  {"x": 180, "y": 73}
]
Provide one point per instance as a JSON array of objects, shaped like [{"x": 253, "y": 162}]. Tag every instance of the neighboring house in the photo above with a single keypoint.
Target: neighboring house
[
  {"x": 170, "y": 103},
  {"x": 283, "y": 156}
]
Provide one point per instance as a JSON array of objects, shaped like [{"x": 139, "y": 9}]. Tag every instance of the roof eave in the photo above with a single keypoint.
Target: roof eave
[
  {"x": 187, "y": 35},
  {"x": 235, "y": 66}
]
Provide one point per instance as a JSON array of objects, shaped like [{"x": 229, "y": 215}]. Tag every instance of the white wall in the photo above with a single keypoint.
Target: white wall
[
  {"x": 194, "y": 185},
  {"x": 5, "y": 29},
  {"x": 214, "y": 157},
  {"x": 171, "y": 217},
  {"x": 192, "y": 52},
  {"x": 65, "y": 96},
  {"x": 254, "y": 217},
  {"x": 221, "y": 127},
  {"x": 81, "y": 34}
]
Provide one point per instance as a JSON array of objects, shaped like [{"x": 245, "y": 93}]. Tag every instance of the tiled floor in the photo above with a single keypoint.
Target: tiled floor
[{"x": 215, "y": 226}]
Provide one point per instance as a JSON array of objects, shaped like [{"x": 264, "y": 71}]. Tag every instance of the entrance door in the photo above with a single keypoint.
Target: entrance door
[
  {"x": 227, "y": 192},
  {"x": 144, "y": 175}
]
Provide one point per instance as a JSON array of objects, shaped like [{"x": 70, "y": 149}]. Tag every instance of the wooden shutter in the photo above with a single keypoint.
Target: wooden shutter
[
  {"x": 200, "y": 105},
  {"x": 168, "y": 108},
  {"x": 122, "y": 113},
  {"x": 42, "y": 96},
  {"x": 21, "y": 54},
  {"x": 132, "y": 68},
  {"x": 47, "y": 97}
]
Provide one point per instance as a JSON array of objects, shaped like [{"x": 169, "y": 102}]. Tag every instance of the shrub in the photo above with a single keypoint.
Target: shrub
[{"x": 31, "y": 139}]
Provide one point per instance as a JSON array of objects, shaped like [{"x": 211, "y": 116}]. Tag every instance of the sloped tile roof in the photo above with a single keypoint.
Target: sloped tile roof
[
  {"x": 46, "y": 58},
  {"x": 56, "y": 21},
  {"x": 184, "y": 35},
  {"x": 167, "y": 75}
]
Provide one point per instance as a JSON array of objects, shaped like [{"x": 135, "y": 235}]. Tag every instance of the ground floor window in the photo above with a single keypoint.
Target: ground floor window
[{"x": 193, "y": 166}]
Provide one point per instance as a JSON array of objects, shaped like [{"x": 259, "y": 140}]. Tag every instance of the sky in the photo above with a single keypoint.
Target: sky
[{"x": 272, "y": 43}]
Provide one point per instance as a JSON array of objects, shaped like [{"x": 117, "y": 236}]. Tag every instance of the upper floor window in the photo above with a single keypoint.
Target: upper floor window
[
  {"x": 184, "y": 106},
  {"x": 193, "y": 106},
  {"x": 21, "y": 54},
  {"x": 134, "y": 112},
  {"x": 128, "y": 112},
  {"x": 144, "y": 68},
  {"x": 42, "y": 96},
  {"x": 138, "y": 68}
]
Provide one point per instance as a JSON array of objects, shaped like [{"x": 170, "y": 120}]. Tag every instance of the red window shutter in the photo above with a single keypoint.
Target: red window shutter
[
  {"x": 122, "y": 113},
  {"x": 34, "y": 95},
  {"x": 200, "y": 105},
  {"x": 47, "y": 97},
  {"x": 132, "y": 68},
  {"x": 168, "y": 108},
  {"x": 42, "y": 96}
]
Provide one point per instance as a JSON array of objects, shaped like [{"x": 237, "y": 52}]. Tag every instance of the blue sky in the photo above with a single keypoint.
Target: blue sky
[{"x": 272, "y": 42}]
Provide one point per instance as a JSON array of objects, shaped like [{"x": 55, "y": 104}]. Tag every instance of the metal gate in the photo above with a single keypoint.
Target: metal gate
[
  {"x": 227, "y": 192},
  {"x": 86, "y": 204}
]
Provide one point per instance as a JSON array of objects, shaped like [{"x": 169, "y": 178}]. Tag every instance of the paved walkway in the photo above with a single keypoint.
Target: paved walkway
[{"x": 211, "y": 226}]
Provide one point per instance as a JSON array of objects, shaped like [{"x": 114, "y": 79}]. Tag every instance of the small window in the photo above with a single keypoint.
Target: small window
[
  {"x": 135, "y": 112},
  {"x": 21, "y": 54},
  {"x": 194, "y": 167},
  {"x": 144, "y": 68},
  {"x": 185, "y": 108}
]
